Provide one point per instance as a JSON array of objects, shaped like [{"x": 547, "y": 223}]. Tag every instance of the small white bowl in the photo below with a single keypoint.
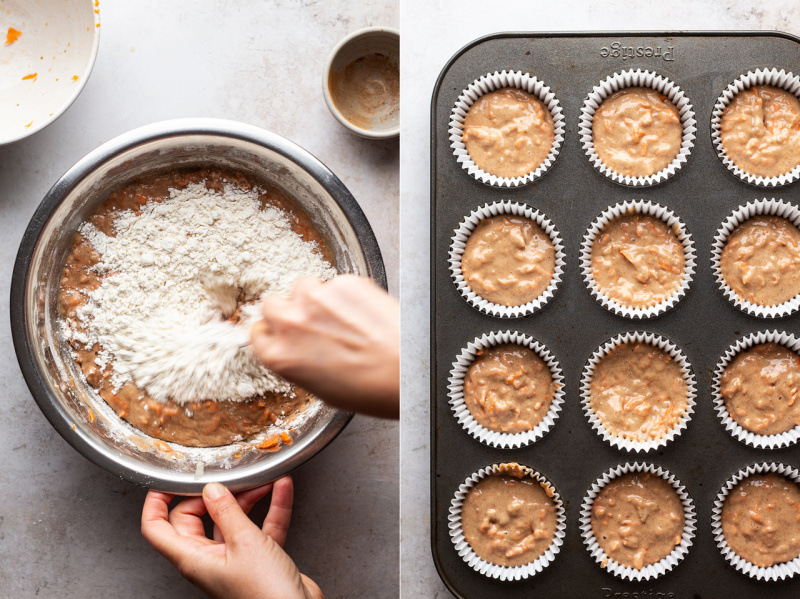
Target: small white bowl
[
  {"x": 361, "y": 43},
  {"x": 58, "y": 43}
]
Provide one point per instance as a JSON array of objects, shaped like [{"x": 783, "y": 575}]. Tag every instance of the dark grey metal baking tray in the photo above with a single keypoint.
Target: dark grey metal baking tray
[{"x": 704, "y": 324}]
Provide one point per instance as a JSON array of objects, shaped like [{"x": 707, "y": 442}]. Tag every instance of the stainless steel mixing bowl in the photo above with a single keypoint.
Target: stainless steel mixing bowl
[{"x": 69, "y": 403}]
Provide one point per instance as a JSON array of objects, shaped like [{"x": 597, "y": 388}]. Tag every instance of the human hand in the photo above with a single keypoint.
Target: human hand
[
  {"x": 339, "y": 340},
  {"x": 241, "y": 561}
]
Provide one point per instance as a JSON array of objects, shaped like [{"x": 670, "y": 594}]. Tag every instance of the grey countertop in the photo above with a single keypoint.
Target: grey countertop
[
  {"x": 69, "y": 529},
  {"x": 431, "y": 33}
]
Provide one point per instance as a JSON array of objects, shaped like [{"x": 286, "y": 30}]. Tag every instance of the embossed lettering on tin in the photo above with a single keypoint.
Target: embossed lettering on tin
[{"x": 617, "y": 50}]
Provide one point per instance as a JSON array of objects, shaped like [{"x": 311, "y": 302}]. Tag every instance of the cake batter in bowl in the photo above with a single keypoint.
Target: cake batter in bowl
[{"x": 69, "y": 403}]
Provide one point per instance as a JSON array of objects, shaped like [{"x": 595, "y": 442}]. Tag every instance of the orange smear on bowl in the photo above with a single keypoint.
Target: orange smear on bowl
[
  {"x": 75, "y": 77},
  {"x": 12, "y": 35},
  {"x": 31, "y": 76}
]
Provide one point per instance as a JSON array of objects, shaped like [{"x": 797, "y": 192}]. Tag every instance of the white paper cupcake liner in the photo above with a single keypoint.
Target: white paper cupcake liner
[
  {"x": 461, "y": 411},
  {"x": 492, "y": 570},
  {"x": 763, "y": 207},
  {"x": 459, "y": 242},
  {"x": 489, "y": 83},
  {"x": 686, "y": 370},
  {"x": 773, "y": 77},
  {"x": 776, "y": 441},
  {"x": 637, "y": 207},
  {"x": 776, "y": 572},
  {"x": 653, "y": 570},
  {"x": 638, "y": 78}
]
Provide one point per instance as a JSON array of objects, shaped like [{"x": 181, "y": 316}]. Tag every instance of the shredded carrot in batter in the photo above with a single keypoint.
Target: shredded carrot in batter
[
  {"x": 268, "y": 443},
  {"x": 12, "y": 35},
  {"x": 31, "y": 76}
]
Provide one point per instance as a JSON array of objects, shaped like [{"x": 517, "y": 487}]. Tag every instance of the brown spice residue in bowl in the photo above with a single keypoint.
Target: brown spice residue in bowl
[{"x": 367, "y": 91}]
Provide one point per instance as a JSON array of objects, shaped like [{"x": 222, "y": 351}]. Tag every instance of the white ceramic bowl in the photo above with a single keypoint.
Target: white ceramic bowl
[
  {"x": 361, "y": 43},
  {"x": 58, "y": 43}
]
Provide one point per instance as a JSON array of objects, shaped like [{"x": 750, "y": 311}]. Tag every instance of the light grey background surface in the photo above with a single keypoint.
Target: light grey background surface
[
  {"x": 431, "y": 33},
  {"x": 67, "y": 528}
]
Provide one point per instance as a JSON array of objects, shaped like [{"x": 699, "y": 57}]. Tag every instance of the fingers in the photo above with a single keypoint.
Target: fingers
[
  {"x": 261, "y": 341},
  {"x": 305, "y": 285},
  {"x": 186, "y": 517},
  {"x": 156, "y": 527},
  {"x": 275, "y": 310},
  {"x": 276, "y": 524},
  {"x": 355, "y": 287},
  {"x": 274, "y": 305},
  {"x": 269, "y": 336},
  {"x": 312, "y": 589},
  {"x": 286, "y": 326},
  {"x": 226, "y": 512},
  {"x": 247, "y": 499},
  {"x": 155, "y": 510},
  {"x": 259, "y": 329}
]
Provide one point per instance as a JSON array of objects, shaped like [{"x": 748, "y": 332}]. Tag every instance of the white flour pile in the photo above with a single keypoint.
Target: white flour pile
[{"x": 173, "y": 274}]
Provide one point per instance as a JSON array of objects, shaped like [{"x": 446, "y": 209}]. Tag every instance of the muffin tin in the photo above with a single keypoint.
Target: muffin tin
[{"x": 573, "y": 324}]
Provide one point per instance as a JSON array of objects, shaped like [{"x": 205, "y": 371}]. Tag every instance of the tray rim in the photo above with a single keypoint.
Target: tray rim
[{"x": 433, "y": 140}]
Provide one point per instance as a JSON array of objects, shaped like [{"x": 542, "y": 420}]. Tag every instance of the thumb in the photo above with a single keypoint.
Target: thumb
[{"x": 226, "y": 512}]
